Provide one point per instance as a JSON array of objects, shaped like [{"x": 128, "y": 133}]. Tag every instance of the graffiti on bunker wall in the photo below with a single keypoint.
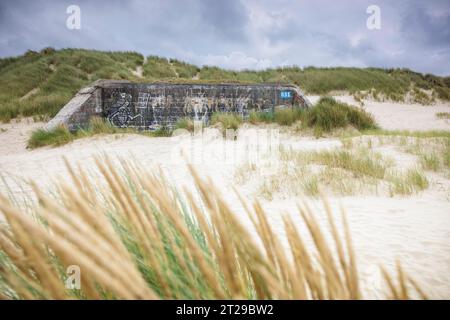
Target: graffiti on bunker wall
[
  {"x": 121, "y": 112},
  {"x": 152, "y": 107}
]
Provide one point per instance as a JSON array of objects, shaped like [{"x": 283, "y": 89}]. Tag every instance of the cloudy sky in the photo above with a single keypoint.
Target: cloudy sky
[{"x": 239, "y": 34}]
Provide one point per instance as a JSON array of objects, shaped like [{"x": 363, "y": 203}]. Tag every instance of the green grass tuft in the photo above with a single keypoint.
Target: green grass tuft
[
  {"x": 57, "y": 137},
  {"x": 443, "y": 115},
  {"x": 430, "y": 161},
  {"x": 227, "y": 120},
  {"x": 329, "y": 114},
  {"x": 256, "y": 117},
  {"x": 185, "y": 123},
  {"x": 412, "y": 181},
  {"x": 287, "y": 117},
  {"x": 359, "y": 163},
  {"x": 157, "y": 68},
  {"x": 61, "y": 135}
]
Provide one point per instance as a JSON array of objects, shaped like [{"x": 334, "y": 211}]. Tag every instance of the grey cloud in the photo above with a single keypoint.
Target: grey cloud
[
  {"x": 227, "y": 18},
  {"x": 241, "y": 33},
  {"x": 422, "y": 27}
]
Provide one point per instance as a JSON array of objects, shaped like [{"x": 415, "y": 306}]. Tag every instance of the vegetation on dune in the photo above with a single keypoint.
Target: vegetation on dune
[
  {"x": 287, "y": 117},
  {"x": 402, "y": 133},
  {"x": 55, "y": 75},
  {"x": 432, "y": 148},
  {"x": 158, "y": 68},
  {"x": 185, "y": 123},
  {"x": 56, "y": 137},
  {"x": 39, "y": 106},
  {"x": 227, "y": 120},
  {"x": 443, "y": 115},
  {"x": 137, "y": 229},
  {"x": 327, "y": 115},
  {"x": 358, "y": 166},
  {"x": 214, "y": 73},
  {"x": 433, "y": 153},
  {"x": 408, "y": 183},
  {"x": 61, "y": 135},
  {"x": 183, "y": 69},
  {"x": 351, "y": 169},
  {"x": 330, "y": 114},
  {"x": 360, "y": 163},
  {"x": 256, "y": 117}
]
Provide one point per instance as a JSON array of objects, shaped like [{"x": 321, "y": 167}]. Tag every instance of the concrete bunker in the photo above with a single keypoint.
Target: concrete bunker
[{"x": 154, "y": 105}]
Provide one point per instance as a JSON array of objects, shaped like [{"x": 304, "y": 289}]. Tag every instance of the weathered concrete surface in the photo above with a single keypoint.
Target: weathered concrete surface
[
  {"x": 150, "y": 106},
  {"x": 79, "y": 110}
]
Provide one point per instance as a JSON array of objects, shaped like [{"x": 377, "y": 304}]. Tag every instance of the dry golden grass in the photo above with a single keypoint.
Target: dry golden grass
[
  {"x": 136, "y": 237},
  {"x": 355, "y": 168}
]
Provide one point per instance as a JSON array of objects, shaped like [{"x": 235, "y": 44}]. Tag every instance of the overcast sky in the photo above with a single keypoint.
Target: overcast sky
[{"x": 239, "y": 34}]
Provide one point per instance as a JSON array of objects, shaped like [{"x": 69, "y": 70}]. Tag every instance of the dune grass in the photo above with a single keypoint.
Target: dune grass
[
  {"x": 432, "y": 148},
  {"x": 183, "y": 69},
  {"x": 443, "y": 115},
  {"x": 407, "y": 183},
  {"x": 256, "y": 117},
  {"x": 215, "y": 73},
  {"x": 56, "y": 137},
  {"x": 390, "y": 83},
  {"x": 157, "y": 68},
  {"x": 37, "y": 106},
  {"x": 336, "y": 171},
  {"x": 61, "y": 73},
  {"x": 287, "y": 117},
  {"x": 400, "y": 133},
  {"x": 97, "y": 126},
  {"x": 330, "y": 114},
  {"x": 430, "y": 161},
  {"x": 433, "y": 153},
  {"x": 226, "y": 120},
  {"x": 56, "y": 75},
  {"x": 136, "y": 237},
  {"x": 185, "y": 123},
  {"x": 327, "y": 115},
  {"x": 357, "y": 167},
  {"x": 360, "y": 162}
]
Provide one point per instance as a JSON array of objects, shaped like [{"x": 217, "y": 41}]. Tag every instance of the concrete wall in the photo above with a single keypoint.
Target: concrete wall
[
  {"x": 150, "y": 106},
  {"x": 79, "y": 110}
]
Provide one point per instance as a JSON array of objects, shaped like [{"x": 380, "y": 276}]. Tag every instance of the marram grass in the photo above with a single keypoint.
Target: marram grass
[{"x": 133, "y": 236}]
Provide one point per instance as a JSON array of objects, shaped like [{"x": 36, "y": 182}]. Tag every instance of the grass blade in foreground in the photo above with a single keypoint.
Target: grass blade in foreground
[{"x": 135, "y": 237}]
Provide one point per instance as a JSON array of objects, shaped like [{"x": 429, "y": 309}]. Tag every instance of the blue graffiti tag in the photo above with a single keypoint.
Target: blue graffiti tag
[{"x": 285, "y": 94}]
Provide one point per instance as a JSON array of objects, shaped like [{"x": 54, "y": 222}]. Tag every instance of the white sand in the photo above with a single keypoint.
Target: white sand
[
  {"x": 14, "y": 135},
  {"x": 414, "y": 230}
]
